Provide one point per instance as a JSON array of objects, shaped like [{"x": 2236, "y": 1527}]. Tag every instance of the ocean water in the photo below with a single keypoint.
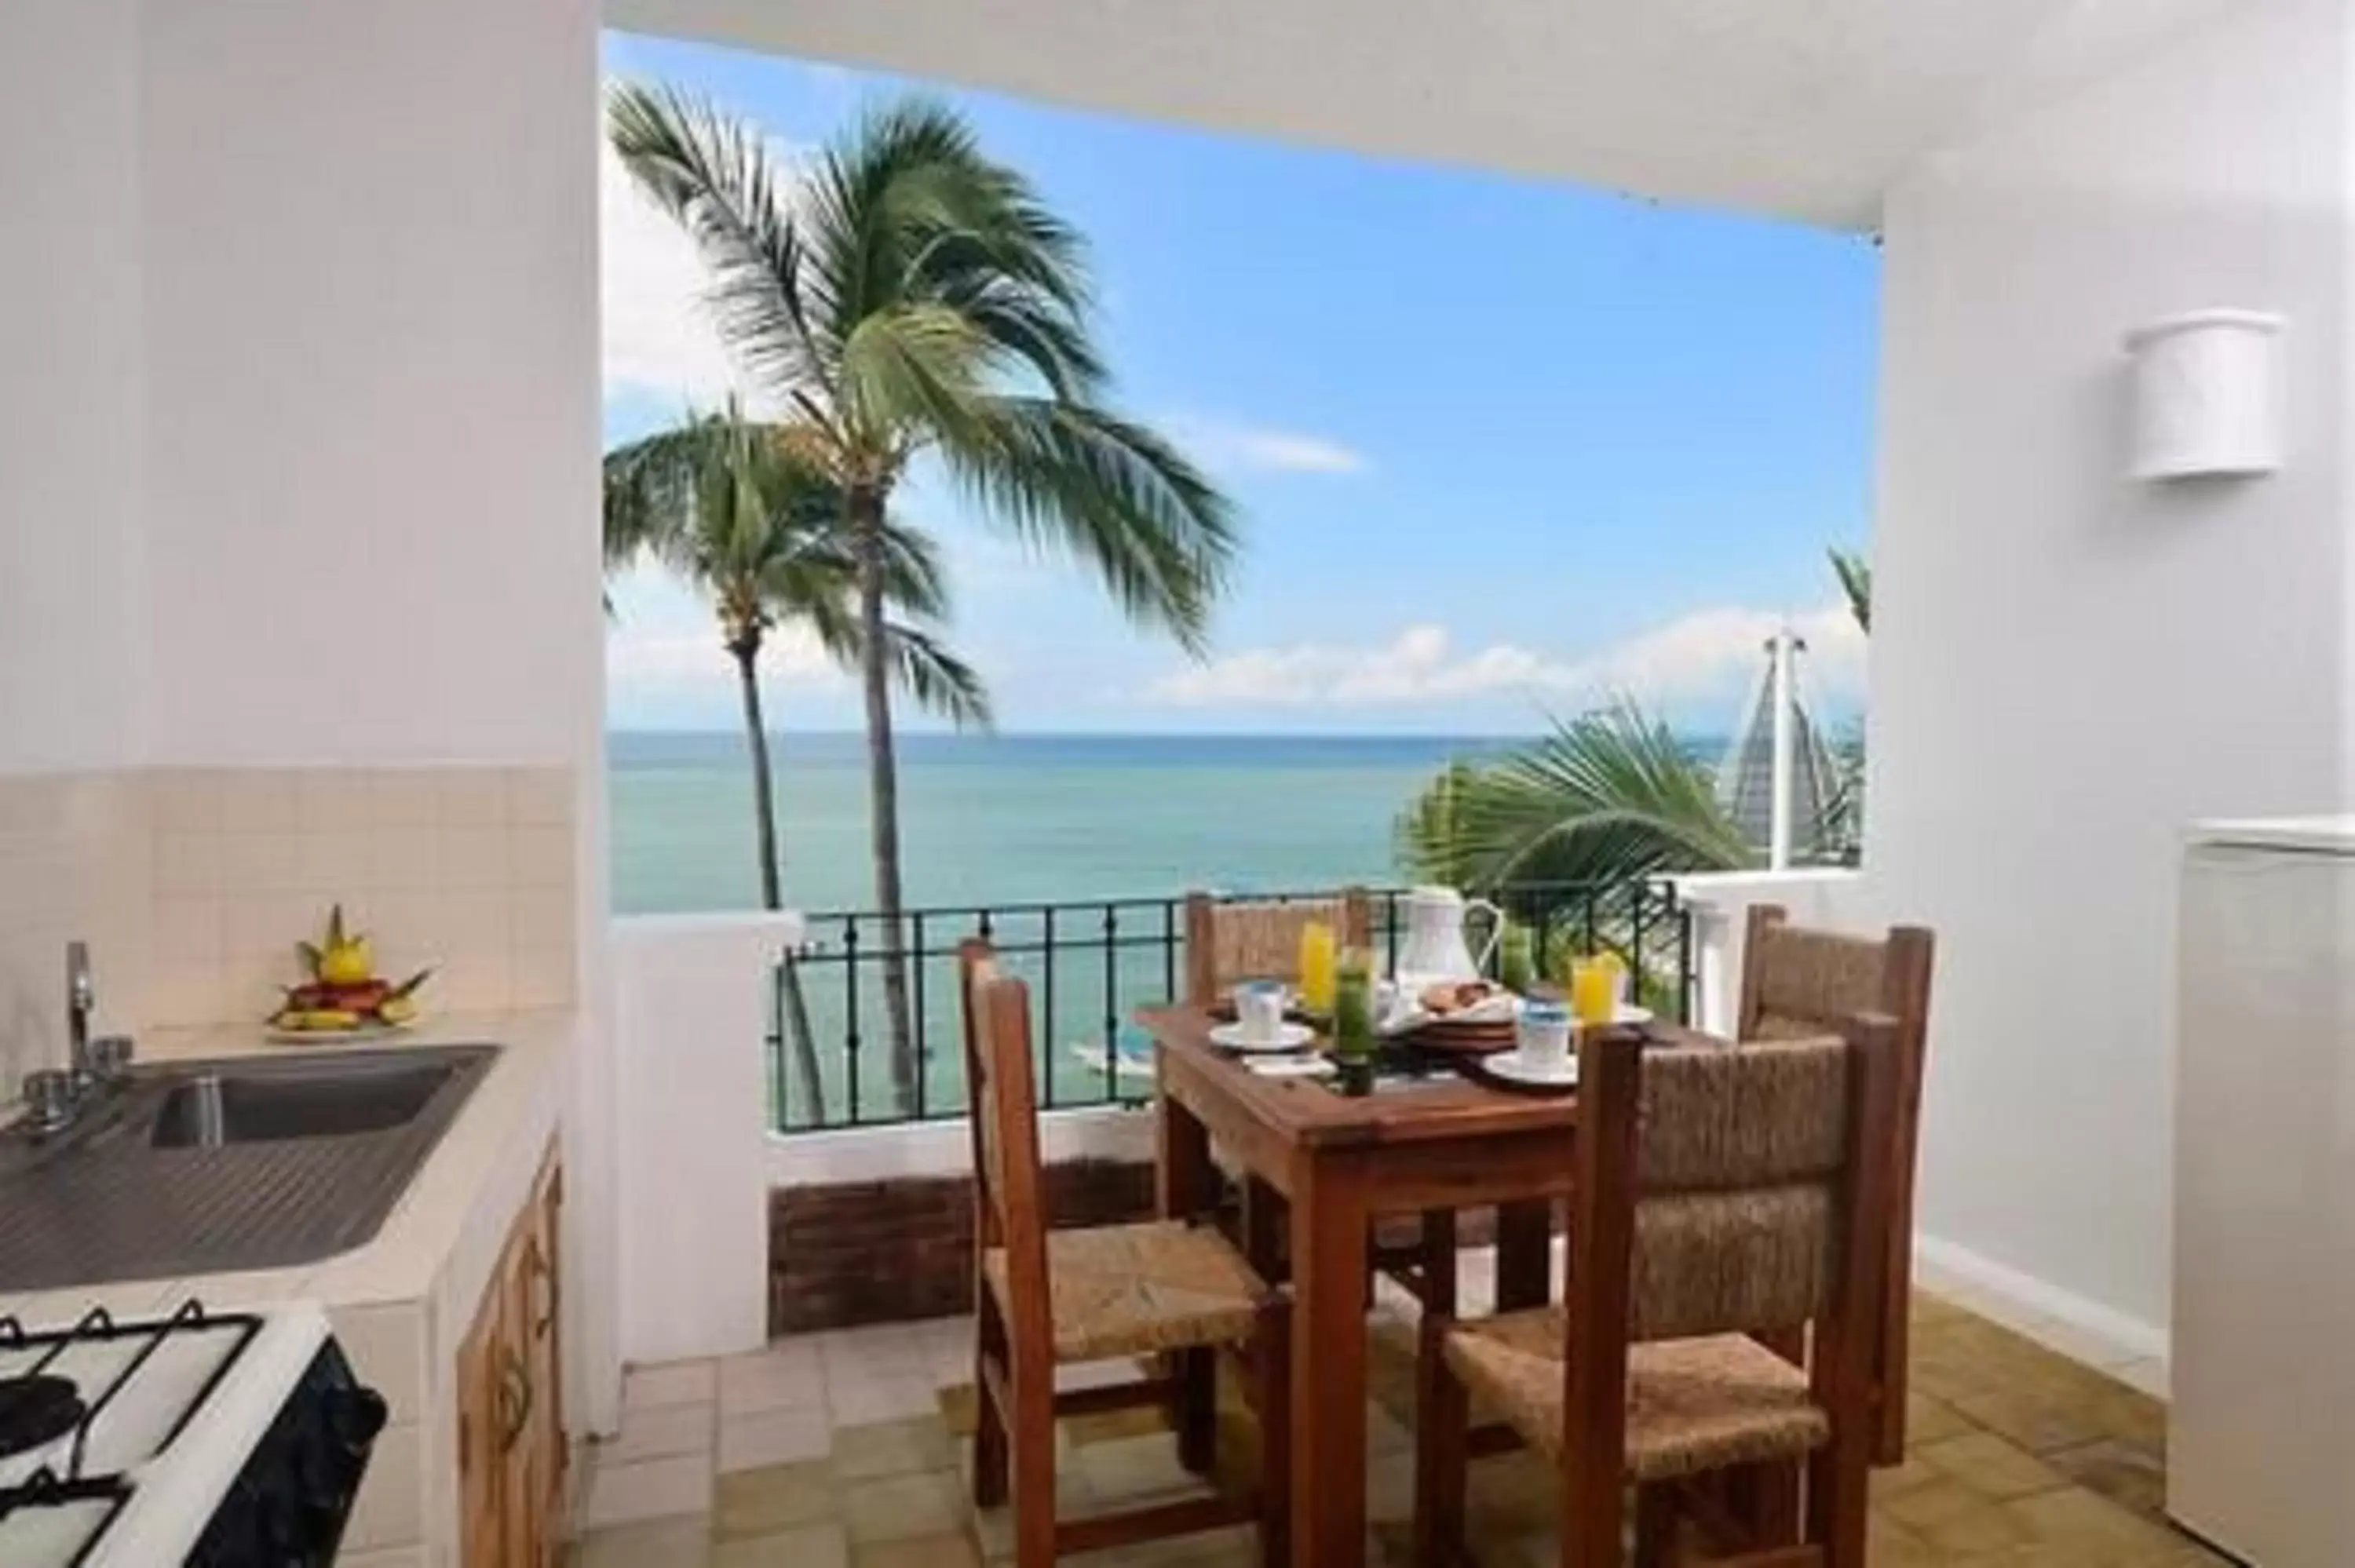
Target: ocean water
[
  {"x": 1015, "y": 818},
  {"x": 1086, "y": 823},
  {"x": 996, "y": 821}
]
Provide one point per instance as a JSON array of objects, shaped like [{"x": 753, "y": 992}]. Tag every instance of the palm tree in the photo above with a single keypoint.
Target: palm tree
[
  {"x": 1606, "y": 798},
  {"x": 1855, "y": 573},
  {"x": 905, "y": 296},
  {"x": 726, "y": 506}
]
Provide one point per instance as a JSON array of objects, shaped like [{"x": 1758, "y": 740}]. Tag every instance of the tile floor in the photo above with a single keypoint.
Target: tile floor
[{"x": 2030, "y": 1446}]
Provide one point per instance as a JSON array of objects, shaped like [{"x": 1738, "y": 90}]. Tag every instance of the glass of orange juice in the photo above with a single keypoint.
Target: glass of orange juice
[
  {"x": 1319, "y": 953},
  {"x": 1593, "y": 990}
]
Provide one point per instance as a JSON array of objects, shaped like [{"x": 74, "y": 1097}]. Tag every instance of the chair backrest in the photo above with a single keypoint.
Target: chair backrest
[
  {"x": 1797, "y": 982},
  {"x": 1230, "y": 941},
  {"x": 1724, "y": 1191},
  {"x": 1740, "y": 1161},
  {"x": 1009, "y": 1200}
]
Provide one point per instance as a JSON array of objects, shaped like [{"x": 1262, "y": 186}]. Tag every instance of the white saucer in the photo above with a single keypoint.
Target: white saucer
[
  {"x": 1287, "y": 1037},
  {"x": 1630, "y": 1014},
  {"x": 1512, "y": 1065}
]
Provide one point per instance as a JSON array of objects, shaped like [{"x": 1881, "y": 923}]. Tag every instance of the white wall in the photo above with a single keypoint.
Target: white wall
[
  {"x": 691, "y": 994},
  {"x": 299, "y": 416},
  {"x": 2068, "y": 666},
  {"x": 72, "y": 611},
  {"x": 372, "y": 380}
]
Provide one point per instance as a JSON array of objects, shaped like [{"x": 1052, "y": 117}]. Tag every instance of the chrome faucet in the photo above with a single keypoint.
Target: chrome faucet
[
  {"x": 53, "y": 1098},
  {"x": 82, "y": 1000}
]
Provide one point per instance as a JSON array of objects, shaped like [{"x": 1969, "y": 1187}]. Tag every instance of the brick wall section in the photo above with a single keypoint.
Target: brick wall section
[
  {"x": 888, "y": 1252},
  {"x": 895, "y": 1251}
]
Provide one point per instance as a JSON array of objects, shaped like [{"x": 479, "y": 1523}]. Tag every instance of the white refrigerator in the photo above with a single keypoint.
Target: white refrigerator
[{"x": 2261, "y": 1423}]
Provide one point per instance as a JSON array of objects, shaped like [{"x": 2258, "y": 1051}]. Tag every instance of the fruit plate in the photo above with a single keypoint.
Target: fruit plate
[{"x": 374, "y": 1029}]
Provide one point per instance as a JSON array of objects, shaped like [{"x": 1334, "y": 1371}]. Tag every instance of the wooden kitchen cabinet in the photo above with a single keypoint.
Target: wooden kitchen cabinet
[{"x": 511, "y": 1444}]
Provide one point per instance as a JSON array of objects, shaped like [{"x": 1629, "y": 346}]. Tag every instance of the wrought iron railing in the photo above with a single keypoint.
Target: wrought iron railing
[{"x": 832, "y": 1050}]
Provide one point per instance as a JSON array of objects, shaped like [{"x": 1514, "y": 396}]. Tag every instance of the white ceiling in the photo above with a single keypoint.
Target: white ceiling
[{"x": 1808, "y": 109}]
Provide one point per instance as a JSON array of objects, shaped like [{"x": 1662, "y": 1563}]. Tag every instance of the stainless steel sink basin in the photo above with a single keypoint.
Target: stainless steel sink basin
[
  {"x": 327, "y": 1101},
  {"x": 244, "y": 1163}
]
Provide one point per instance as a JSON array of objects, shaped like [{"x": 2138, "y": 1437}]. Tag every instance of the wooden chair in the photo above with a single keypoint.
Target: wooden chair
[
  {"x": 1797, "y": 982},
  {"x": 1720, "y": 1194},
  {"x": 1044, "y": 1298},
  {"x": 1247, "y": 940},
  {"x": 1232, "y": 941}
]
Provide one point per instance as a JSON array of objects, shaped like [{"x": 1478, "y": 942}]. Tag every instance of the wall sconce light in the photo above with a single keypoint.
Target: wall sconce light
[{"x": 2207, "y": 392}]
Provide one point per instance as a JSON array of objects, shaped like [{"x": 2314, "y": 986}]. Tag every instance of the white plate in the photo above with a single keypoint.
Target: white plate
[
  {"x": 376, "y": 1029},
  {"x": 1630, "y": 1014},
  {"x": 1292, "y": 1067},
  {"x": 1512, "y": 1064},
  {"x": 1287, "y": 1037}
]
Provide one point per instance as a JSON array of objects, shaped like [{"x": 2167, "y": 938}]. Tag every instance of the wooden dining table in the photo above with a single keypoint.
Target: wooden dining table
[{"x": 1338, "y": 1160}]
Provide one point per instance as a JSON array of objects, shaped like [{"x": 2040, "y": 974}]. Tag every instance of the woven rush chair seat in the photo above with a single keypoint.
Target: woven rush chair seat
[
  {"x": 1129, "y": 1291},
  {"x": 1693, "y": 1405}
]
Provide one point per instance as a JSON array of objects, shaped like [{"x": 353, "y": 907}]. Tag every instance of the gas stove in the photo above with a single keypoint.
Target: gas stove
[{"x": 200, "y": 1438}]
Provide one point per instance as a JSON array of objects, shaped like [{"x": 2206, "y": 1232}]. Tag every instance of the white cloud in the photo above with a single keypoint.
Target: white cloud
[
  {"x": 663, "y": 652},
  {"x": 1238, "y": 447},
  {"x": 1709, "y": 653},
  {"x": 660, "y": 340}
]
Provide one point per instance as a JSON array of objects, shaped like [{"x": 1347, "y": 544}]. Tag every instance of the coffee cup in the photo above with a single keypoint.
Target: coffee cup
[
  {"x": 1543, "y": 1036},
  {"x": 1259, "y": 1010}
]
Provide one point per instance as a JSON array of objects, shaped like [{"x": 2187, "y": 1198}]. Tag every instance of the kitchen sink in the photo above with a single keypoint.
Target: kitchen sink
[
  {"x": 215, "y": 1166},
  {"x": 323, "y": 1100}
]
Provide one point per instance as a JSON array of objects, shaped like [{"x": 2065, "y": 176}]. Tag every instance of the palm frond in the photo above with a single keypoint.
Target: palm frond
[
  {"x": 716, "y": 177},
  {"x": 939, "y": 679},
  {"x": 1855, "y": 573},
  {"x": 649, "y": 489},
  {"x": 1108, "y": 494},
  {"x": 919, "y": 366},
  {"x": 1606, "y": 797}
]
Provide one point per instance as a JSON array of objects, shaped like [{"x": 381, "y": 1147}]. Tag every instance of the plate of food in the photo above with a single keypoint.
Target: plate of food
[{"x": 343, "y": 999}]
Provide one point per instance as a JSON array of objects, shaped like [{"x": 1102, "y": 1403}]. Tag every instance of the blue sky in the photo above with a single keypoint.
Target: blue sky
[{"x": 1501, "y": 447}]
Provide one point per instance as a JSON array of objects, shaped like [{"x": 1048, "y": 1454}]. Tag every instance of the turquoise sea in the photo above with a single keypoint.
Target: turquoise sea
[
  {"x": 1011, "y": 819},
  {"x": 1083, "y": 822},
  {"x": 996, "y": 821}
]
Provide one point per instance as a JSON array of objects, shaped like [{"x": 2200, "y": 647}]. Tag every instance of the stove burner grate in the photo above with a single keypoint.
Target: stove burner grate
[{"x": 35, "y": 1411}]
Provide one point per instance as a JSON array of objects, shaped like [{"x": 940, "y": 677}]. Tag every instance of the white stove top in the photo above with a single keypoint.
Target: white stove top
[{"x": 171, "y": 1408}]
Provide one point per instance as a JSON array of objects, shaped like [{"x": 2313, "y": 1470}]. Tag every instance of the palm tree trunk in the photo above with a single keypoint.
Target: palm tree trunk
[
  {"x": 746, "y": 649},
  {"x": 866, "y": 509}
]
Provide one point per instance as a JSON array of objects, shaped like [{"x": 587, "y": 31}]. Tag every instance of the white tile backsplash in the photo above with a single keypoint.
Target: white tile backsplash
[
  {"x": 192, "y": 886},
  {"x": 429, "y": 863}
]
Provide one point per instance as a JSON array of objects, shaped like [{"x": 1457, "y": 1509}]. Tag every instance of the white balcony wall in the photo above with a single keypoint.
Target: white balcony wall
[
  {"x": 692, "y": 1007},
  {"x": 2068, "y": 666},
  {"x": 1825, "y": 898}
]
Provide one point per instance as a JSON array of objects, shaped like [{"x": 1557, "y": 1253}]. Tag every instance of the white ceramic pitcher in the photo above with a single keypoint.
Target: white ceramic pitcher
[{"x": 1435, "y": 948}]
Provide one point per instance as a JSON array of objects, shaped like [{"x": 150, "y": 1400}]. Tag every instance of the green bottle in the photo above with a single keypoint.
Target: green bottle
[
  {"x": 1517, "y": 962},
  {"x": 1353, "y": 1006}
]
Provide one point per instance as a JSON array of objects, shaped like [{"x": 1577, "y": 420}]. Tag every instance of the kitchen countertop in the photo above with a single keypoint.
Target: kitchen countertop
[{"x": 510, "y": 1115}]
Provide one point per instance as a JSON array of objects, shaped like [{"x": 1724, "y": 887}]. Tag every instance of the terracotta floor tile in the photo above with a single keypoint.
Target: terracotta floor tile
[
  {"x": 950, "y": 1550},
  {"x": 893, "y": 1448},
  {"x": 2018, "y": 1458},
  {"x": 658, "y": 1543},
  {"x": 903, "y": 1508},
  {"x": 810, "y": 1546},
  {"x": 1989, "y": 1466},
  {"x": 765, "y": 1502}
]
